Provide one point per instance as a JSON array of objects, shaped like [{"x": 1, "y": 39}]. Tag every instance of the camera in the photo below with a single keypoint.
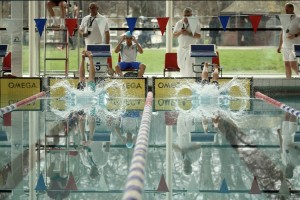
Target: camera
[{"x": 287, "y": 31}]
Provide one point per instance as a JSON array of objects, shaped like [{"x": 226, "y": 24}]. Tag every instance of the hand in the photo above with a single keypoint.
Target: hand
[
  {"x": 85, "y": 34},
  {"x": 134, "y": 39},
  {"x": 88, "y": 54},
  {"x": 279, "y": 50},
  {"x": 83, "y": 54},
  {"x": 123, "y": 38}
]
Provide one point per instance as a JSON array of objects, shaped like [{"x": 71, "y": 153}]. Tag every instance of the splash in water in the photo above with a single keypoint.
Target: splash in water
[{"x": 231, "y": 99}]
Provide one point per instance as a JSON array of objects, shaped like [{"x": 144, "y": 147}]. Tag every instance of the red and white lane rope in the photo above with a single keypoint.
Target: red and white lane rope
[
  {"x": 277, "y": 104},
  {"x": 23, "y": 102},
  {"x": 135, "y": 180}
]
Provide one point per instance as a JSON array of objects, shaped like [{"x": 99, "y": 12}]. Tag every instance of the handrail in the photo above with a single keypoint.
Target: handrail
[{"x": 135, "y": 180}]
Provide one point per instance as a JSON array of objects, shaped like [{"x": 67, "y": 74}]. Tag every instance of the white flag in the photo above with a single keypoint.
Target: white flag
[
  {"x": 101, "y": 24},
  {"x": 193, "y": 21},
  {"x": 285, "y": 20}
]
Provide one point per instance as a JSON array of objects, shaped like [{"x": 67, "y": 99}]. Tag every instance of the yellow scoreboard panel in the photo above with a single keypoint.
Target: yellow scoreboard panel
[{"x": 16, "y": 89}]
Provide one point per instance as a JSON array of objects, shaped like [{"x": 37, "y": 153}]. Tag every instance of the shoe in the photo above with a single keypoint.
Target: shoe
[{"x": 60, "y": 48}]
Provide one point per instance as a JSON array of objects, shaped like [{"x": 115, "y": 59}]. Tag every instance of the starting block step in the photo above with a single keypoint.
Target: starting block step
[
  {"x": 297, "y": 136},
  {"x": 197, "y": 136},
  {"x": 103, "y": 136},
  {"x": 203, "y": 50},
  {"x": 296, "y": 50},
  {"x": 100, "y": 50}
]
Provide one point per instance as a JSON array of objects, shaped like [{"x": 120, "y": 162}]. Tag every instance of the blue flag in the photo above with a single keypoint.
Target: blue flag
[
  {"x": 40, "y": 24},
  {"x": 131, "y": 23}
]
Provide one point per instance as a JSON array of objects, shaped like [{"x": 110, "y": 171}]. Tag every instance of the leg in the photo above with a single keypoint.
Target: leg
[
  {"x": 288, "y": 70},
  {"x": 215, "y": 76},
  {"x": 50, "y": 6},
  {"x": 204, "y": 75},
  {"x": 142, "y": 68},
  {"x": 62, "y": 6},
  {"x": 294, "y": 66},
  {"x": 118, "y": 71}
]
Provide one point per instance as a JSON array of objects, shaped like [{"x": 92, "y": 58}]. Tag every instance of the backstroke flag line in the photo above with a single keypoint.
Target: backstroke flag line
[
  {"x": 193, "y": 21},
  {"x": 284, "y": 20},
  {"x": 40, "y": 24},
  {"x": 131, "y": 23},
  {"x": 162, "y": 23},
  {"x": 255, "y": 19},
  {"x": 224, "y": 21},
  {"x": 101, "y": 24}
]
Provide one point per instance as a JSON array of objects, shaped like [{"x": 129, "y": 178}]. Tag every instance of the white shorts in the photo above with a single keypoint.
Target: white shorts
[{"x": 288, "y": 55}]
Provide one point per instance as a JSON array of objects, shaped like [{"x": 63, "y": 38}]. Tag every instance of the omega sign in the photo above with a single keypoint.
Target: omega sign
[{"x": 17, "y": 89}]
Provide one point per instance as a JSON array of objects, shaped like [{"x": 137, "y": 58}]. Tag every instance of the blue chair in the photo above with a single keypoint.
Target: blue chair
[
  {"x": 203, "y": 53},
  {"x": 3, "y": 55},
  {"x": 101, "y": 56},
  {"x": 296, "y": 49},
  {"x": 3, "y": 136},
  {"x": 200, "y": 136}
]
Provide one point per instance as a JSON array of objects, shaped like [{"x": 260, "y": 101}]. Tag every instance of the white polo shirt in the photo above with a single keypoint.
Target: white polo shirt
[
  {"x": 184, "y": 41},
  {"x": 293, "y": 27},
  {"x": 95, "y": 36},
  {"x": 128, "y": 54}
]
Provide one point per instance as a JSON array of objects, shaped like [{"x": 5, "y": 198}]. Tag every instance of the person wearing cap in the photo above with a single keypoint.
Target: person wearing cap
[
  {"x": 183, "y": 32},
  {"x": 128, "y": 51},
  {"x": 89, "y": 28}
]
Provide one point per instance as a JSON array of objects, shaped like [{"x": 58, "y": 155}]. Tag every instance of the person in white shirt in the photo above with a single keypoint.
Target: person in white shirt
[
  {"x": 182, "y": 31},
  {"x": 128, "y": 52},
  {"x": 89, "y": 28},
  {"x": 289, "y": 37}
]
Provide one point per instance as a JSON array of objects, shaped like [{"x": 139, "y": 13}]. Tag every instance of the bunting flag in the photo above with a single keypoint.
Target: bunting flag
[
  {"x": 224, "y": 187},
  {"x": 71, "y": 24},
  {"x": 41, "y": 183},
  {"x": 255, "y": 188},
  {"x": 224, "y": 21},
  {"x": 162, "y": 23},
  {"x": 162, "y": 186},
  {"x": 284, "y": 20},
  {"x": 193, "y": 185},
  {"x": 101, "y": 24},
  {"x": 103, "y": 184},
  {"x": 255, "y": 19},
  {"x": 131, "y": 23},
  {"x": 40, "y": 24},
  {"x": 71, "y": 184},
  {"x": 193, "y": 21}
]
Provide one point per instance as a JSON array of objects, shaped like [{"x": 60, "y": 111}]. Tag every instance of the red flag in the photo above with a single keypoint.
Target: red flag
[
  {"x": 255, "y": 187},
  {"x": 71, "y": 24},
  {"x": 255, "y": 19},
  {"x": 162, "y": 23}
]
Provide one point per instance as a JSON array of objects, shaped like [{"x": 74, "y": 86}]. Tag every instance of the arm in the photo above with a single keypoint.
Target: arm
[
  {"x": 107, "y": 37},
  {"x": 118, "y": 47},
  {"x": 82, "y": 27},
  {"x": 139, "y": 48}
]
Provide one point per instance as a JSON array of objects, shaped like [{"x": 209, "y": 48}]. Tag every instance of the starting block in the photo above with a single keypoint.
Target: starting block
[
  {"x": 296, "y": 51},
  {"x": 200, "y": 136},
  {"x": 203, "y": 53},
  {"x": 102, "y": 136},
  {"x": 297, "y": 136},
  {"x": 101, "y": 53}
]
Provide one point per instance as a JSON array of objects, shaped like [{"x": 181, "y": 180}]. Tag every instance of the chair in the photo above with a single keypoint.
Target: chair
[
  {"x": 101, "y": 53},
  {"x": 171, "y": 63},
  {"x": 6, "y": 64}
]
